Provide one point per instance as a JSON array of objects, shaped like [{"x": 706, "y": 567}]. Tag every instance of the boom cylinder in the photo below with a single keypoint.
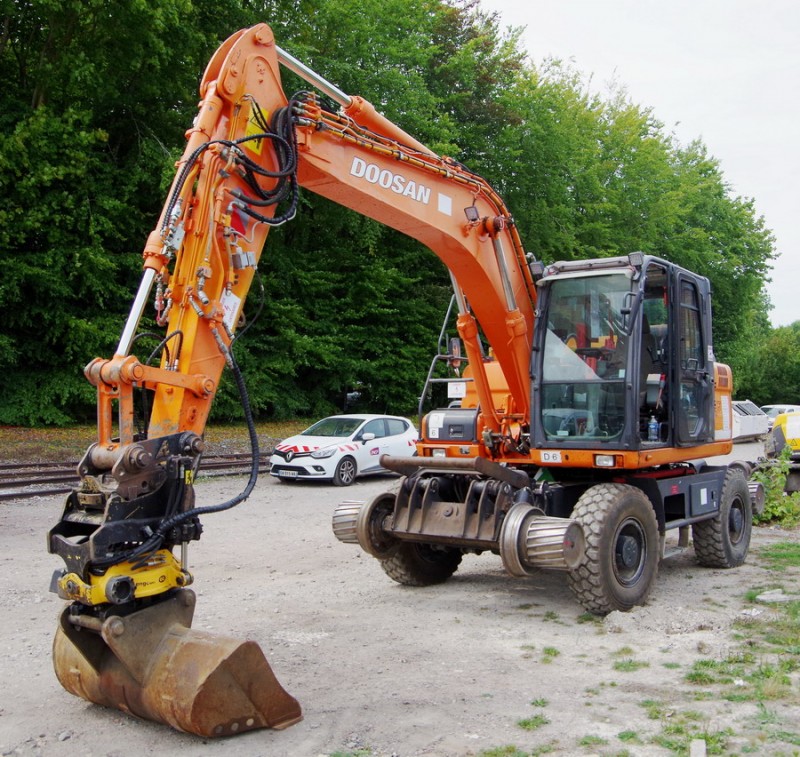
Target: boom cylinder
[{"x": 137, "y": 310}]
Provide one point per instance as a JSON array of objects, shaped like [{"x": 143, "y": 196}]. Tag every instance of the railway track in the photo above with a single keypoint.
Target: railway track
[{"x": 25, "y": 480}]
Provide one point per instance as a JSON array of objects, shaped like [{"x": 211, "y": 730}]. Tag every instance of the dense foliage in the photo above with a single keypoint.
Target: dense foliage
[
  {"x": 779, "y": 506},
  {"x": 95, "y": 96}
]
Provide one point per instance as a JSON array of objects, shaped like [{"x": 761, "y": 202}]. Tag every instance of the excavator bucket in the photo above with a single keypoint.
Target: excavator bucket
[{"x": 151, "y": 664}]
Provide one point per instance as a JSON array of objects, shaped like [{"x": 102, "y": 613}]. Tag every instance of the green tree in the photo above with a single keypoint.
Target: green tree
[
  {"x": 775, "y": 375},
  {"x": 95, "y": 97},
  {"x": 91, "y": 92}
]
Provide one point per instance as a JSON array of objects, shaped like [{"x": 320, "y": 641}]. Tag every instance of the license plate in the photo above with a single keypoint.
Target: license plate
[{"x": 287, "y": 473}]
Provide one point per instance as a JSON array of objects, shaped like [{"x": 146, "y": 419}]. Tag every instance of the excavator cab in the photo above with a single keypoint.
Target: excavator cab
[{"x": 622, "y": 357}]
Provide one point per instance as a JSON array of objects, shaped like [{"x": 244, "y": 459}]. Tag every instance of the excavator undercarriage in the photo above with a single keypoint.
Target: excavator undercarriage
[{"x": 445, "y": 507}]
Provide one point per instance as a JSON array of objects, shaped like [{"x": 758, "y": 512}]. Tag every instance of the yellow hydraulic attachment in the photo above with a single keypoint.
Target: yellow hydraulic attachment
[{"x": 156, "y": 574}]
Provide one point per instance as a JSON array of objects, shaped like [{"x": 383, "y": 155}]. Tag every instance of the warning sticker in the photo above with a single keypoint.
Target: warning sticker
[
  {"x": 230, "y": 305},
  {"x": 254, "y": 145}
]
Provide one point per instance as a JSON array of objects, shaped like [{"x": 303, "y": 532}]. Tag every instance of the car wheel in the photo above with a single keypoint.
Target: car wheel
[{"x": 345, "y": 472}]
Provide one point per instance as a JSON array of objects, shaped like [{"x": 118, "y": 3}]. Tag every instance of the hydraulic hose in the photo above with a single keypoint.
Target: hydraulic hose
[{"x": 154, "y": 542}]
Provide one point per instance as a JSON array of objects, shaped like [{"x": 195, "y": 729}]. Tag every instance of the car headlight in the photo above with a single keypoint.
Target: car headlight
[{"x": 325, "y": 452}]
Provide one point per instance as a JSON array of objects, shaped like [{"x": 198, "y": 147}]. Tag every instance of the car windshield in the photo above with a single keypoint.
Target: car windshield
[{"x": 334, "y": 427}]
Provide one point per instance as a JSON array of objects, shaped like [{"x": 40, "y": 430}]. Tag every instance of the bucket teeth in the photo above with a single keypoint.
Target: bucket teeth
[{"x": 151, "y": 664}]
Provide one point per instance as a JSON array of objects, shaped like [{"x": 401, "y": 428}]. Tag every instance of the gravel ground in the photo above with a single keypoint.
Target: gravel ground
[{"x": 389, "y": 670}]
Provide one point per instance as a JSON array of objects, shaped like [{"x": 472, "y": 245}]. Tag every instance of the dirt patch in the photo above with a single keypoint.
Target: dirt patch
[{"x": 389, "y": 670}]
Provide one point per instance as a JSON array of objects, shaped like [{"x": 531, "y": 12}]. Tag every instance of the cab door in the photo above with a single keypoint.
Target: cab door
[{"x": 693, "y": 399}]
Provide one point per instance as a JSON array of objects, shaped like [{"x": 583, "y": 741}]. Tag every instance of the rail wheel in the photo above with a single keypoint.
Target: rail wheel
[
  {"x": 369, "y": 530},
  {"x": 414, "y": 564},
  {"x": 622, "y": 548},
  {"x": 723, "y": 541}
]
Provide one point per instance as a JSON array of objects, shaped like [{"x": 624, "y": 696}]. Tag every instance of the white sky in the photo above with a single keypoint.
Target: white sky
[{"x": 726, "y": 71}]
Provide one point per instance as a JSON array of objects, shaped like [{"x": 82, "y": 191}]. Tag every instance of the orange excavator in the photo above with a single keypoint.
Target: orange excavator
[{"x": 569, "y": 449}]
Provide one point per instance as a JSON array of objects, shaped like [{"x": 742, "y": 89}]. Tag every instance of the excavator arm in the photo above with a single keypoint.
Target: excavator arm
[
  {"x": 125, "y": 640},
  {"x": 251, "y": 148}
]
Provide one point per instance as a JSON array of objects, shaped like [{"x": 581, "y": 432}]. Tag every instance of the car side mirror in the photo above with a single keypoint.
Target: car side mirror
[{"x": 367, "y": 437}]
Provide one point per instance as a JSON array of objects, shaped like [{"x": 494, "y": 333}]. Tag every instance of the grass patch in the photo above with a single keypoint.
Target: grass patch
[
  {"x": 787, "y": 736},
  {"x": 721, "y": 672},
  {"x": 630, "y": 665},
  {"x": 592, "y": 740},
  {"x": 679, "y": 729},
  {"x": 782, "y": 555},
  {"x": 777, "y": 634},
  {"x": 533, "y": 722},
  {"x": 60, "y": 445},
  {"x": 511, "y": 750},
  {"x": 655, "y": 709},
  {"x": 503, "y": 751},
  {"x": 540, "y": 702}
]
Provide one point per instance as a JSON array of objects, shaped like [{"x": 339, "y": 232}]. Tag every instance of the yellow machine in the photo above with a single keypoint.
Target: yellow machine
[
  {"x": 785, "y": 432},
  {"x": 569, "y": 452}
]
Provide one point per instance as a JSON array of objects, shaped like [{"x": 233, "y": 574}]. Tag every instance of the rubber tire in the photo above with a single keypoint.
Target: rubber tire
[
  {"x": 346, "y": 472},
  {"x": 723, "y": 541},
  {"x": 414, "y": 564},
  {"x": 609, "y": 513}
]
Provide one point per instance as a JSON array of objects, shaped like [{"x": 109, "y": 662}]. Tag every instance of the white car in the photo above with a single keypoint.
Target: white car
[{"x": 342, "y": 447}]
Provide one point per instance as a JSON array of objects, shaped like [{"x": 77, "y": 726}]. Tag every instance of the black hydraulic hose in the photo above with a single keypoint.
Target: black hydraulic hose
[
  {"x": 262, "y": 298},
  {"x": 254, "y": 451},
  {"x": 155, "y": 541}
]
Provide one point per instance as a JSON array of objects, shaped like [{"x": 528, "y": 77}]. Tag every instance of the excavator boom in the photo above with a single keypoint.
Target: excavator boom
[{"x": 125, "y": 640}]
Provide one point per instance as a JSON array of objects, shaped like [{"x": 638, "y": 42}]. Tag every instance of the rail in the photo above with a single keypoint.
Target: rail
[{"x": 26, "y": 480}]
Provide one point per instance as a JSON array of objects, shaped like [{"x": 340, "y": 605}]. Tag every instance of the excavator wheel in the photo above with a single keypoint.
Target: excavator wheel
[
  {"x": 414, "y": 564},
  {"x": 723, "y": 542},
  {"x": 622, "y": 548}
]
